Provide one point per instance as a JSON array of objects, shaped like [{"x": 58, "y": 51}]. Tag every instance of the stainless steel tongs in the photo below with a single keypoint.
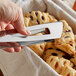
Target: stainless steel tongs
[{"x": 15, "y": 40}]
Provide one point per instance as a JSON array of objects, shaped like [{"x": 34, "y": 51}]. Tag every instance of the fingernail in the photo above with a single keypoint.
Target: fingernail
[
  {"x": 12, "y": 51},
  {"x": 28, "y": 32}
]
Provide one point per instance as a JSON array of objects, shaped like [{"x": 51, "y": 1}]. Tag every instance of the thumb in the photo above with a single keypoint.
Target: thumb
[{"x": 19, "y": 24}]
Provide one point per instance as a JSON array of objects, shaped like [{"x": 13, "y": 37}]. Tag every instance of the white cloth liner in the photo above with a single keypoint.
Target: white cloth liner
[
  {"x": 24, "y": 63},
  {"x": 27, "y": 62},
  {"x": 70, "y": 3},
  {"x": 65, "y": 7}
]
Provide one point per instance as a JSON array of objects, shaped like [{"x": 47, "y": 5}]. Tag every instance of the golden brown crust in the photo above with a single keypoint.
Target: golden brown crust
[
  {"x": 58, "y": 63},
  {"x": 73, "y": 59},
  {"x": 55, "y": 52},
  {"x": 37, "y": 17},
  {"x": 68, "y": 71}
]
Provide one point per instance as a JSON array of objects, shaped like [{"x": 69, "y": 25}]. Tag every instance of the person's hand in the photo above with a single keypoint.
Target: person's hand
[{"x": 11, "y": 17}]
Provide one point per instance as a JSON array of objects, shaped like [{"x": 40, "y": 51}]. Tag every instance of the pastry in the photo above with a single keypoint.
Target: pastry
[
  {"x": 58, "y": 63},
  {"x": 37, "y": 17},
  {"x": 55, "y": 52},
  {"x": 34, "y": 18},
  {"x": 73, "y": 59},
  {"x": 66, "y": 42},
  {"x": 68, "y": 71}
]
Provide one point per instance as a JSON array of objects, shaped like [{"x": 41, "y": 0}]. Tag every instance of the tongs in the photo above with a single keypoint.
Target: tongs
[{"x": 16, "y": 39}]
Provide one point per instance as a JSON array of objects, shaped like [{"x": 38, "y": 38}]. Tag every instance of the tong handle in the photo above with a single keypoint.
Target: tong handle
[
  {"x": 18, "y": 44},
  {"x": 54, "y": 28}
]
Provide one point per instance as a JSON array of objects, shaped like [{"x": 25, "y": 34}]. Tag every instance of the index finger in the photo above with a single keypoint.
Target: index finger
[{"x": 19, "y": 24}]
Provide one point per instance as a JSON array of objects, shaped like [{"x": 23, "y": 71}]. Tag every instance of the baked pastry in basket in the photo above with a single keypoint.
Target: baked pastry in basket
[
  {"x": 66, "y": 42},
  {"x": 58, "y": 63},
  {"x": 54, "y": 55}
]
